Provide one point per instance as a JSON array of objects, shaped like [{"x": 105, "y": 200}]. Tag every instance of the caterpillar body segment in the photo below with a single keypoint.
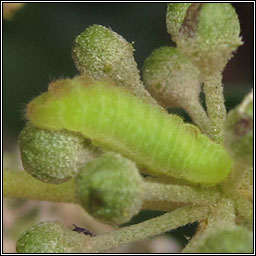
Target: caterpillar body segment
[{"x": 116, "y": 119}]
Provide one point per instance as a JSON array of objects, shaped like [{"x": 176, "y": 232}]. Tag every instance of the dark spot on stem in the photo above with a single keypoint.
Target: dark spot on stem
[
  {"x": 243, "y": 126},
  {"x": 190, "y": 23}
]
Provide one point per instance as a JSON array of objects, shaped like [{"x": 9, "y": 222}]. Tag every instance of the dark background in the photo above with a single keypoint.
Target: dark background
[{"x": 37, "y": 48}]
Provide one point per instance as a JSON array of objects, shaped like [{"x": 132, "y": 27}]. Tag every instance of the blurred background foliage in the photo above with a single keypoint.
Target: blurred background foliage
[{"x": 37, "y": 43}]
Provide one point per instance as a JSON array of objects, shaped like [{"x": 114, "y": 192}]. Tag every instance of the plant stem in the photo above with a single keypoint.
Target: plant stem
[
  {"x": 22, "y": 185},
  {"x": 216, "y": 110},
  {"x": 180, "y": 194},
  {"x": 157, "y": 196},
  {"x": 146, "y": 229},
  {"x": 245, "y": 209},
  {"x": 198, "y": 115},
  {"x": 222, "y": 214},
  {"x": 236, "y": 177}
]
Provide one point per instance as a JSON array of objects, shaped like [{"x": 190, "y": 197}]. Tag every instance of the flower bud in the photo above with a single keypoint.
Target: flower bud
[
  {"x": 171, "y": 77},
  {"x": 174, "y": 81},
  {"x": 206, "y": 32},
  {"x": 176, "y": 13},
  {"x": 48, "y": 237},
  {"x": 53, "y": 156},
  {"x": 234, "y": 239},
  {"x": 239, "y": 131},
  {"x": 101, "y": 53},
  {"x": 110, "y": 188}
]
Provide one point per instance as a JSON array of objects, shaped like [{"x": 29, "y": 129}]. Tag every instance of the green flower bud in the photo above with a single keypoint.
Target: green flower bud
[
  {"x": 239, "y": 131},
  {"x": 233, "y": 239},
  {"x": 101, "y": 53},
  {"x": 207, "y": 32},
  {"x": 110, "y": 188},
  {"x": 171, "y": 77},
  {"x": 174, "y": 81},
  {"x": 48, "y": 237},
  {"x": 53, "y": 156},
  {"x": 175, "y": 16}
]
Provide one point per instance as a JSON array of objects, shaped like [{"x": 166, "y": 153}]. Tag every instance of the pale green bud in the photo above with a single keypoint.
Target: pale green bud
[
  {"x": 176, "y": 13},
  {"x": 53, "y": 156},
  {"x": 171, "y": 77},
  {"x": 48, "y": 237},
  {"x": 101, "y": 53},
  {"x": 239, "y": 130},
  {"x": 233, "y": 239},
  {"x": 207, "y": 32},
  {"x": 110, "y": 188},
  {"x": 174, "y": 81}
]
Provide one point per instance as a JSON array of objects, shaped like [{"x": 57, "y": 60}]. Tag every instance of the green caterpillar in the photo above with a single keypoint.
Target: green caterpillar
[{"x": 115, "y": 119}]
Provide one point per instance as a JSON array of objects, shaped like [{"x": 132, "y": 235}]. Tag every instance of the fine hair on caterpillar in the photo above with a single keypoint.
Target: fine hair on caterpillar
[{"x": 161, "y": 142}]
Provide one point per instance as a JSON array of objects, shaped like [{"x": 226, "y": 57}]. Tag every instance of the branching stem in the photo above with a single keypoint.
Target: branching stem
[
  {"x": 216, "y": 110},
  {"x": 149, "y": 228},
  {"x": 157, "y": 196},
  {"x": 222, "y": 213}
]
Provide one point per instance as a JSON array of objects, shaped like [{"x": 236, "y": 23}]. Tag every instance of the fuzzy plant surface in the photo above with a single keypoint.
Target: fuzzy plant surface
[{"x": 104, "y": 140}]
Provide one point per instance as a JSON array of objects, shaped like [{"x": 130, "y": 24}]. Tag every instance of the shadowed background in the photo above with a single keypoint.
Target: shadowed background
[{"x": 37, "y": 48}]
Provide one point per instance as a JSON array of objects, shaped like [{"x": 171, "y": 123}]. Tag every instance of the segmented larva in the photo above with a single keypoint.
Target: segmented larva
[{"x": 118, "y": 121}]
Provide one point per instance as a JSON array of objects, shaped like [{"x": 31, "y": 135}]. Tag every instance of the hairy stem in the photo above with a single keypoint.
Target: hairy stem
[
  {"x": 162, "y": 197},
  {"x": 216, "y": 110},
  {"x": 198, "y": 115},
  {"x": 245, "y": 209},
  {"x": 145, "y": 229},
  {"x": 231, "y": 185},
  {"x": 22, "y": 185},
  {"x": 180, "y": 194},
  {"x": 222, "y": 214}
]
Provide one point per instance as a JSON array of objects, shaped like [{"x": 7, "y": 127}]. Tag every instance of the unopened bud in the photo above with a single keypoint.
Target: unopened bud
[
  {"x": 101, "y": 53},
  {"x": 171, "y": 77},
  {"x": 207, "y": 32},
  {"x": 233, "y": 239},
  {"x": 110, "y": 188},
  {"x": 53, "y": 156},
  {"x": 49, "y": 237},
  {"x": 239, "y": 130}
]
